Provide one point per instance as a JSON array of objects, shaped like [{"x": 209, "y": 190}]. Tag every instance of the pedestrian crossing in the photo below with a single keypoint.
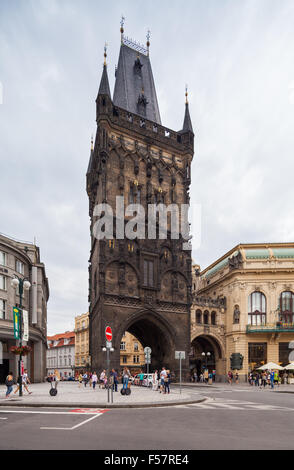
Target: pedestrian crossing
[{"x": 227, "y": 404}]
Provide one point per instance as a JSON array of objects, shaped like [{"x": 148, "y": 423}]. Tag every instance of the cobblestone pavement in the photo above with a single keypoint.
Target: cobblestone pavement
[{"x": 70, "y": 393}]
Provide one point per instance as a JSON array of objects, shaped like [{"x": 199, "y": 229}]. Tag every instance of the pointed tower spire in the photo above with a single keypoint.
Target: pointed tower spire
[
  {"x": 187, "y": 120},
  {"x": 104, "y": 88},
  {"x": 91, "y": 155}
]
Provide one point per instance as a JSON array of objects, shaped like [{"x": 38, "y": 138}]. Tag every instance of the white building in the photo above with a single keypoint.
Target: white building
[{"x": 61, "y": 354}]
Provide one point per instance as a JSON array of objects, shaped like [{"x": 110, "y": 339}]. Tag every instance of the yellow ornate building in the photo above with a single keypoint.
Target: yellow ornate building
[
  {"x": 244, "y": 303},
  {"x": 131, "y": 353},
  {"x": 82, "y": 356}
]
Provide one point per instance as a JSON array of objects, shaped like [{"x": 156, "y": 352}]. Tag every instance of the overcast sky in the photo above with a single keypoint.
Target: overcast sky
[{"x": 237, "y": 57}]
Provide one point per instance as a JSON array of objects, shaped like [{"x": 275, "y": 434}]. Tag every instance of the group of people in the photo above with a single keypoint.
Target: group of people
[
  {"x": 262, "y": 379},
  {"x": 203, "y": 377},
  {"x": 9, "y": 382},
  {"x": 160, "y": 379},
  {"x": 233, "y": 378}
]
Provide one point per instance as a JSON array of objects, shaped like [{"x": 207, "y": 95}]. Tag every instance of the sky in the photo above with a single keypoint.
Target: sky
[{"x": 237, "y": 58}]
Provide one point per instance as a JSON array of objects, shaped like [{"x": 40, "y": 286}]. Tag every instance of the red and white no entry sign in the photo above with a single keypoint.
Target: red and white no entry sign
[{"x": 108, "y": 333}]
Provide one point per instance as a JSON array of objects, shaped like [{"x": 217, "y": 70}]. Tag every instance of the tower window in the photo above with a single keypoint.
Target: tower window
[{"x": 148, "y": 273}]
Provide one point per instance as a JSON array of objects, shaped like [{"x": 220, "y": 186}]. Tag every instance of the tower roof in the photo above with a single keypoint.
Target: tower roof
[
  {"x": 134, "y": 88},
  {"x": 187, "y": 120},
  {"x": 104, "y": 88}
]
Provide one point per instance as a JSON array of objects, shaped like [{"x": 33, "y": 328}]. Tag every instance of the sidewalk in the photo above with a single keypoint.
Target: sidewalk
[{"x": 70, "y": 395}]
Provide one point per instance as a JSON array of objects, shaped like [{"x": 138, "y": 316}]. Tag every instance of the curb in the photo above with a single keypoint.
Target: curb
[{"x": 100, "y": 405}]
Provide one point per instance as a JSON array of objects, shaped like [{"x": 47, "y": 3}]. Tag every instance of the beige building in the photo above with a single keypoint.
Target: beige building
[
  {"x": 244, "y": 303},
  {"x": 22, "y": 260},
  {"x": 131, "y": 353},
  {"x": 82, "y": 355}
]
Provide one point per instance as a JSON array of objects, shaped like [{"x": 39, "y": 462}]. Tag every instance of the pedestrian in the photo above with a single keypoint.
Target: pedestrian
[
  {"x": 167, "y": 382},
  {"x": 126, "y": 377},
  {"x": 163, "y": 375},
  {"x": 276, "y": 377},
  {"x": 195, "y": 377},
  {"x": 25, "y": 382},
  {"x": 155, "y": 381},
  {"x": 85, "y": 378},
  {"x": 237, "y": 378},
  {"x": 230, "y": 377},
  {"x": 141, "y": 378},
  {"x": 90, "y": 379},
  {"x": 9, "y": 384},
  {"x": 80, "y": 379},
  {"x": 206, "y": 376},
  {"x": 101, "y": 379},
  {"x": 264, "y": 379},
  {"x": 213, "y": 375},
  {"x": 272, "y": 378},
  {"x": 115, "y": 380},
  {"x": 94, "y": 380},
  {"x": 201, "y": 377}
]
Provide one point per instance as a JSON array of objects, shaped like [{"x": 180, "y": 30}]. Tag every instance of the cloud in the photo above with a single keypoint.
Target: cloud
[{"x": 236, "y": 57}]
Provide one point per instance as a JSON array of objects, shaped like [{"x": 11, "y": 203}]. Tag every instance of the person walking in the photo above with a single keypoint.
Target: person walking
[
  {"x": 101, "y": 378},
  {"x": 272, "y": 378},
  {"x": 80, "y": 379},
  {"x": 195, "y": 377},
  {"x": 126, "y": 376},
  {"x": 94, "y": 380},
  {"x": 155, "y": 381},
  {"x": 114, "y": 375},
  {"x": 237, "y": 378},
  {"x": 9, "y": 384},
  {"x": 25, "y": 382},
  {"x": 167, "y": 382},
  {"x": 230, "y": 377},
  {"x": 141, "y": 378},
  {"x": 85, "y": 379},
  {"x": 206, "y": 376},
  {"x": 163, "y": 375}
]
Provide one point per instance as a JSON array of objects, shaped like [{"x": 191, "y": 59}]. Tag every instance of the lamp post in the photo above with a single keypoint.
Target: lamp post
[
  {"x": 22, "y": 285},
  {"x": 206, "y": 355}
]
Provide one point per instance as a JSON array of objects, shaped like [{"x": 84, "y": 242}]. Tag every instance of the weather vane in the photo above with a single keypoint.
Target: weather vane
[{"x": 122, "y": 22}]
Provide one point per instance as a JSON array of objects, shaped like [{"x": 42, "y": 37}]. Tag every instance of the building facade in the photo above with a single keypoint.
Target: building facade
[
  {"x": 138, "y": 285},
  {"x": 132, "y": 354},
  {"x": 22, "y": 259},
  {"x": 61, "y": 354},
  {"x": 244, "y": 304},
  {"x": 82, "y": 352}
]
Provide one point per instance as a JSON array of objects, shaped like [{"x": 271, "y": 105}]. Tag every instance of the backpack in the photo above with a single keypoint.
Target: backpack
[{"x": 8, "y": 382}]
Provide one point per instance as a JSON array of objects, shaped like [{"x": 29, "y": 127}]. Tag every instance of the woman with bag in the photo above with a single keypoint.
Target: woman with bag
[
  {"x": 167, "y": 382},
  {"x": 9, "y": 384}
]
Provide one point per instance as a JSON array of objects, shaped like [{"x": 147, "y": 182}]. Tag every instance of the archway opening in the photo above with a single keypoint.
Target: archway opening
[
  {"x": 146, "y": 332},
  {"x": 205, "y": 355}
]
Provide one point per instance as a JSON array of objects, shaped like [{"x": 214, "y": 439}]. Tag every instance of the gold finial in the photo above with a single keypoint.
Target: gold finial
[
  {"x": 122, "y": 22},
  {"x": 105, "y": 52},
  {"x": 186, "y": 94},
  {"x": 148, "y": 41},
  {"x": 142, "y": 91},
  {"x": 92, "y": 148}
]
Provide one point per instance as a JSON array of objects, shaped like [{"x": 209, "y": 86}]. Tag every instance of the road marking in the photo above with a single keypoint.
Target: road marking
[
  {"x": 74, "y": 427},
  {"x": 89, "y": 412},
  {"x": 224, "y": 404}
]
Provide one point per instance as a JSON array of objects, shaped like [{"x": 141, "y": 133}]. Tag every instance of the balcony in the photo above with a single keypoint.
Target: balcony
[{"x": 274, "y": 328}]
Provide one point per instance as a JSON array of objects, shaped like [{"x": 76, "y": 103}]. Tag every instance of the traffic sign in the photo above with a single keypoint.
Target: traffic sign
[
  {"x": 147, "y": 350},
  {"x": 180, "y": 355},
  {"x": 108, "y": 333}
]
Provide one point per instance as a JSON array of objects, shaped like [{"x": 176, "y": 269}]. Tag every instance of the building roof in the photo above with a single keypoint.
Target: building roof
[
  {"x": 255, "y": 251},
  {"x": 187, "y": 120},
  {"x": 134, "y": 88},
  {"x": 104, "y": 88},
  {"x": 61, "y": 337}
]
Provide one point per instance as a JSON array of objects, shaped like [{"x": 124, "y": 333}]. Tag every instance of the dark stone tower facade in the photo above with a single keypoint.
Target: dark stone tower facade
[{"x": 142, "y": 286}]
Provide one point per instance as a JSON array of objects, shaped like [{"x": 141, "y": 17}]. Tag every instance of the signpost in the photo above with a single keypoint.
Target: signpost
[
  {"x": 180, "y": 355},
  {"x": 147, "y": 352},
  {"x": 108, "y": 336}
]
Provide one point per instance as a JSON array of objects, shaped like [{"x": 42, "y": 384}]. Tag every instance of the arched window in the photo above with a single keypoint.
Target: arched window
[
  {"x": 256, "y": 309},
  {"x": 213, "y": 318},
  {"x": 198, "y": 317},
  {"x": 287, "y": 307},
  {"x": 205, "y": 317}
]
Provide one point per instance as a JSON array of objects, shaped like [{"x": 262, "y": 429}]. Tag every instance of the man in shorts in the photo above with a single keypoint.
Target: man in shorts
[{"x": 25, "y": 382}]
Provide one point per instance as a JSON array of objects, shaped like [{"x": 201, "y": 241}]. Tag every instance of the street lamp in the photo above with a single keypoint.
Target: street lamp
[
  {"x": 206, "y": 355},
  {"x": 22, "y": 285}
]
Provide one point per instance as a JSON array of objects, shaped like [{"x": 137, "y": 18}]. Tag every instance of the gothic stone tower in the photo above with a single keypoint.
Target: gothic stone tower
[{"x": 142, "y": 286}]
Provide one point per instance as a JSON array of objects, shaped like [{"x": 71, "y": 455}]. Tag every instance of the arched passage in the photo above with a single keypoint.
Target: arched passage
[
  {"x": 207, "y": 352},
  {"x": 151, "y": 330}
]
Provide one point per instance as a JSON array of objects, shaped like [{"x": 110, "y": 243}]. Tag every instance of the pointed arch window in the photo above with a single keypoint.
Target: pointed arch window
[
  {"x": 198, "y": 317},
  {"x": 287, "y": 307},
  {"x": 257, "y": 309}
]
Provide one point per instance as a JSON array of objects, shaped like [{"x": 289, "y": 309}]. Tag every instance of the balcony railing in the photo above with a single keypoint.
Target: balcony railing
[{"x": 274, "y": 328}]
